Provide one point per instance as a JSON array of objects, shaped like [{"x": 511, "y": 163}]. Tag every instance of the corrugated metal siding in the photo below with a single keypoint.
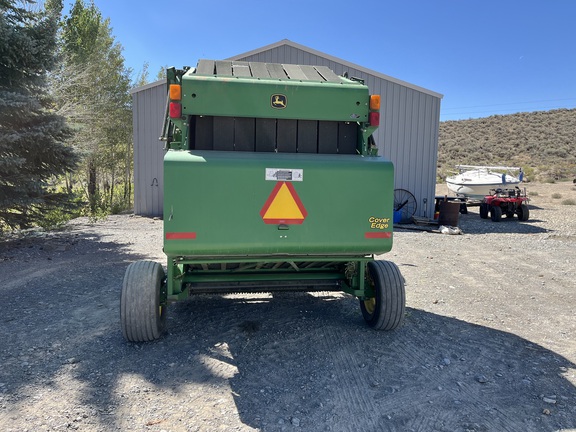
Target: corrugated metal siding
[
  {"x": 408, "y": 132},
  {"x": 149, "y": 104}
]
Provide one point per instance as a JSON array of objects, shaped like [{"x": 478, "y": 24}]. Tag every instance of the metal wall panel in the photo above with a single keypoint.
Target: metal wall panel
[
  {"x": 408, "y": 132},
  {"x": 409, "y": 121},
  {"x": 149, "y": 103}
]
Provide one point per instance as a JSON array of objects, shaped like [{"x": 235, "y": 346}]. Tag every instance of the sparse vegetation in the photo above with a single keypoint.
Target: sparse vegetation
[
  {"x": 556, "y": 195},
  {"x": 541, "y": 142},
  {"x": 569, "y": 201}
]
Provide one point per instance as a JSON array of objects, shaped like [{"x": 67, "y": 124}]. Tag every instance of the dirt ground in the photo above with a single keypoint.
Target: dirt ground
[{"x": 488, "y": 343}]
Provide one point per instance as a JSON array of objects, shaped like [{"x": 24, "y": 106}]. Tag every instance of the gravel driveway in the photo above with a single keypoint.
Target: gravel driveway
[{"x": 488, "y": 343}]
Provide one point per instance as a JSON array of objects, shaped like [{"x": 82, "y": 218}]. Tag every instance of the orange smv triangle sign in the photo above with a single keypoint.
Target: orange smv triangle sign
[{"x": 283, "y": 206}]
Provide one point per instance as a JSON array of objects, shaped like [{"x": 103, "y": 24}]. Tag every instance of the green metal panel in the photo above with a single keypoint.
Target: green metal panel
[
  {"x": 270, "y": 176},
  {"x": 253, "y": 97},
  {"x": 221, "y": 204}
]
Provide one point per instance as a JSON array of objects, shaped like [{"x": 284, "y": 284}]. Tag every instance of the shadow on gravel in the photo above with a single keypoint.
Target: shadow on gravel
[
  {"x": 287, "y": 360},
  {"x": 60, "y": 295},
  {"x": 320, "y": 368},
  {"x": 472, "y": 224}
]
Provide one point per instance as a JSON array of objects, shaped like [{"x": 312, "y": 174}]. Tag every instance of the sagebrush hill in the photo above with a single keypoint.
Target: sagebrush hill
[{"x": 543, "y": 143}]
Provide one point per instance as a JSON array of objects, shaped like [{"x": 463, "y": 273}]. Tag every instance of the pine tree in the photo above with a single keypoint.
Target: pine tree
[{"x": 32, "y": 135}]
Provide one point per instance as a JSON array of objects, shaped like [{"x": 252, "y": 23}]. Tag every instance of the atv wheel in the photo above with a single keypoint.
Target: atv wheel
[
  {"x": 496, "y": 213},
  {"x": 523, "y": 212},
  {"x": 484, "y": 211}
]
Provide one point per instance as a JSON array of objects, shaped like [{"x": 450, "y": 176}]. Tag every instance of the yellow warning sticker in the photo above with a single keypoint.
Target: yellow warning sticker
[{"x": 283, "y": 206}]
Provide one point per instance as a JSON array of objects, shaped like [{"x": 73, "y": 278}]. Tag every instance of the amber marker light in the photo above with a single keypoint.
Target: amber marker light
[
  {"x": 375, "y": 102},
  {"x": 175, "y": 92}
]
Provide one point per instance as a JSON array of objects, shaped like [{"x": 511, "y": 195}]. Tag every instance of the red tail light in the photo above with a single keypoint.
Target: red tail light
[
  {"x": 374, "y": 118},
  {"x": 176, "y": 110}
]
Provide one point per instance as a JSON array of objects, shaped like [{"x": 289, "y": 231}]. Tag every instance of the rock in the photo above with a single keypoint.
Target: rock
[
  {"x": 549, "y": 400},
  {"x": 481, "y": 379},
  {"x": 295, "y": 421}
]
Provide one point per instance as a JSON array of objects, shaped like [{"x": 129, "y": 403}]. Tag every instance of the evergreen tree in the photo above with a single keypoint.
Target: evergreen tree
[{"x": 32, "y": 135}]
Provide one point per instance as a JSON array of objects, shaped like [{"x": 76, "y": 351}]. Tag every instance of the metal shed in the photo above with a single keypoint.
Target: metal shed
[{"x": 408, "y": 132}]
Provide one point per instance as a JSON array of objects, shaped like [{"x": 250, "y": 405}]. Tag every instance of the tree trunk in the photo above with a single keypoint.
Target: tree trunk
[
  {"x": 92, "y": 186},
  {"x": 112, "y": 189}
]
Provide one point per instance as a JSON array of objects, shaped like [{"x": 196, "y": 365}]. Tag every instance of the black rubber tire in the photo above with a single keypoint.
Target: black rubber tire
[
  {"x": 496, "y": 213},
  {"x": 386, "y": 310},
  {"x": 523, "y": 212},
  {"x": 142, "y": 312},
  {"x": 484, "y": 210}
]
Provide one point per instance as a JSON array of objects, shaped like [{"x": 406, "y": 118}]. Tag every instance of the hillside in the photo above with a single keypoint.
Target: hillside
[{"x": 542, "y": 142}]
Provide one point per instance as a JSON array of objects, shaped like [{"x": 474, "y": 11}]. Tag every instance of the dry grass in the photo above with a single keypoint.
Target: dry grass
[{"x": 541, "y": 142}]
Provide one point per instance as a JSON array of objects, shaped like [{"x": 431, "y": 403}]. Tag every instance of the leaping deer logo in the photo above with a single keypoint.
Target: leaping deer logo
[{"x": 279, "y": 101}]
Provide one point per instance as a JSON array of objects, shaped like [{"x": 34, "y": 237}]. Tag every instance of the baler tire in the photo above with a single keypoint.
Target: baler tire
[
  {"x": 496, "y": 213},
  {"x": 523, "y": 212},
  {"x": 484, "y": 211},
  {"x": 142, "y": 311},
  {"x": 386, "y": 310}
]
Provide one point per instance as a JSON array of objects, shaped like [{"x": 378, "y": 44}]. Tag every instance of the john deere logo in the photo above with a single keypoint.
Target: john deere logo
[{"x": 279, "y": 101}]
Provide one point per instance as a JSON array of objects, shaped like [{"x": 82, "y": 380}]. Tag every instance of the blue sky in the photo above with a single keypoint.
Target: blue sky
[{"x": 486, "y": 56}]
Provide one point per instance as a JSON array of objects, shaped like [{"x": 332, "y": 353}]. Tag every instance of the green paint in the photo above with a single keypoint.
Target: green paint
[{"x": 222, "y": 221}]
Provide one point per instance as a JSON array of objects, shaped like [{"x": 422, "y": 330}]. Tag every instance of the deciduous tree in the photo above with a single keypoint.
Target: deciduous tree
[{"x": 96, "y": 83}]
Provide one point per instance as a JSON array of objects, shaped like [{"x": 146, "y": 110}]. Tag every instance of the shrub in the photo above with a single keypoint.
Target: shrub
[
  {"x": 534, "y": 193},
  {"x": 556, "y": 195},
  {"x": 57, "y": 217},
  {"x": 569, "y": 201}
]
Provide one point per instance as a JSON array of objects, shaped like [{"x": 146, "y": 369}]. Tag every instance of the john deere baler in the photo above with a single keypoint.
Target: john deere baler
[{"x": 271, "y": 182}]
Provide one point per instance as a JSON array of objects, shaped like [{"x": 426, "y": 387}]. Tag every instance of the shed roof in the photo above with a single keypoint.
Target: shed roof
[{"x": 286, "y": 42}]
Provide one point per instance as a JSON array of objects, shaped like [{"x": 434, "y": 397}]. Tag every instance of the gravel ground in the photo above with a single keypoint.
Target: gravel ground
[{"x": 488, "y": 343}]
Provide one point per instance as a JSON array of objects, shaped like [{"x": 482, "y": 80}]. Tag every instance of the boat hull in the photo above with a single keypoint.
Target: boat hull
[{"x": 478, "y": 183}]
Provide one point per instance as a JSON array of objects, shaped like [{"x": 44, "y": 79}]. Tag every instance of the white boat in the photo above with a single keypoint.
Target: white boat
[{"x": 475, "y": 181}]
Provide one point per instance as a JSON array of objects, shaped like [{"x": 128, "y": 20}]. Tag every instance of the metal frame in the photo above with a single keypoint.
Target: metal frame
[{"x": 182, "y": 279}]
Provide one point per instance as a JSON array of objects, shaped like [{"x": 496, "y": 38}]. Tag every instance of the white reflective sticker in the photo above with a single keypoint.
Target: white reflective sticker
[{"x": 284, "y": 174}]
